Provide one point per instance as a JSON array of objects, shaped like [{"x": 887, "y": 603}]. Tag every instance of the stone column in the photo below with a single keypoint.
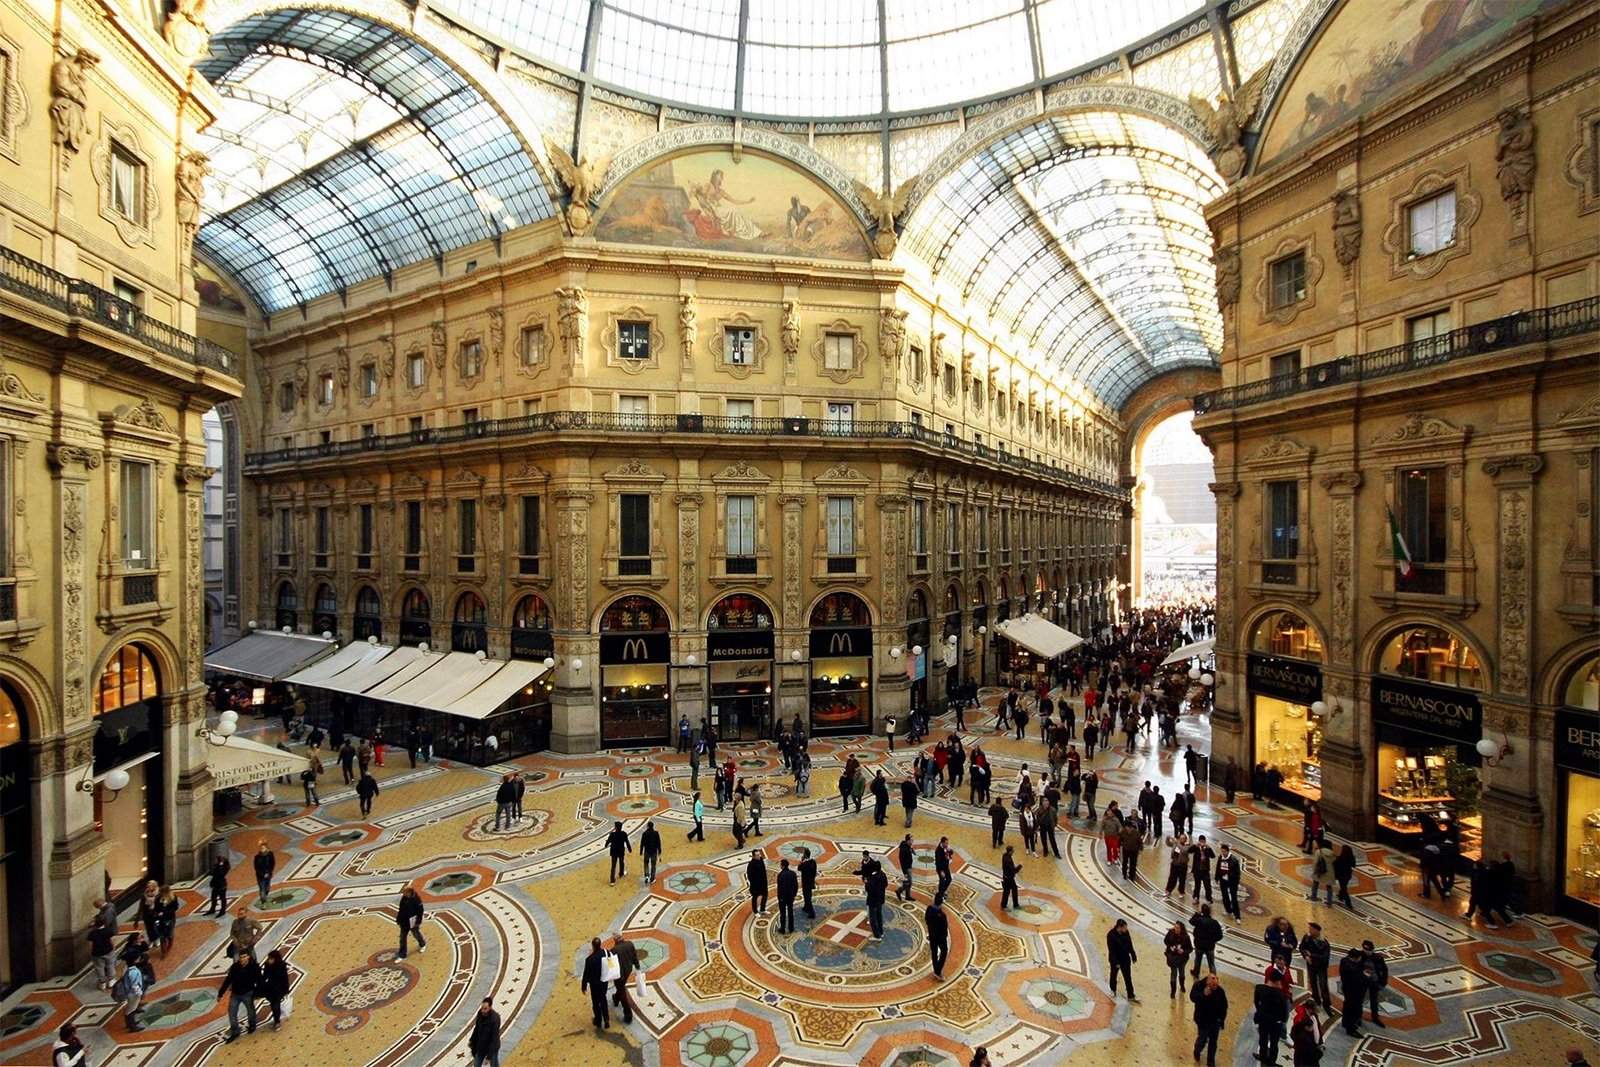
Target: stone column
[
  {"x": 574, "y": 700},
  {"x": 793, "y": 691},
  {"x": 689, "y": 687},
  {"x": 1229, "y": 736},
  {"x": 893, "y": 687},
  {"x": 494, "y": 584},
  {"x": 188, "y": 772}
]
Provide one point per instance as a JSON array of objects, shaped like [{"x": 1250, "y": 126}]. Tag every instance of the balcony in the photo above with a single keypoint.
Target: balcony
[
  {"x": 80, "y": 300},
  {"x": 557, "y": 424},
  {"x": 1496, "y": 335}
]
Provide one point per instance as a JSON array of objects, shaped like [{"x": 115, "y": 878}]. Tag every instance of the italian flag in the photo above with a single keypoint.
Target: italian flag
[{"x": 1402, "y": 552}]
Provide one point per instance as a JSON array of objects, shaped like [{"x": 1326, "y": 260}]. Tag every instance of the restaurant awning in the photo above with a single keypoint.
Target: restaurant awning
[
  {"x": 509, "y": 680},
  {"x": 1189, "y": 652},
  {"x": 241, "y": 762},
  {"x": 398, "y": 679},
  {"x": 369, "y": 672},
  {"x": 447, "y": 680},
  {"x": 268, "y": 656},
  {"x": 1039, "y": 635},
  {"x": 350, "y": 655}
]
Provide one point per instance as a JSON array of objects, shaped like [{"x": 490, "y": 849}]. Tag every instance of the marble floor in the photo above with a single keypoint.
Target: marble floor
[{"x": 510, "y": 914}]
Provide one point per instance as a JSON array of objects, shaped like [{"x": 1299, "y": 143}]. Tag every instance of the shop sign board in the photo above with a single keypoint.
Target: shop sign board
[
  {"x": 1293, "y": 680},
  {"x": 1440, "y": 711}
]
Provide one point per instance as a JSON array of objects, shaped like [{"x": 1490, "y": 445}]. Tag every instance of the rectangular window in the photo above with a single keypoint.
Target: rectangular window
[
  {"x": 369, "y": 430},
  {"x": 841, "y": 418},
  {"x": 1005, "y": 530},
  {"x": 1289, "y": 280},
  {"x": 1283, "y": 531},
  {"x": 127, "y": 184},
  {"x": 286, "y": 397},
  {"x": 469, "y": 416},
  {"x": 841, "y": 518},
  {"x": 6, "y": 535},
  {"x": 919, "y": 534},
  {"x": 285, "y": 537},
  {"x": 740, "y": 526},
  {"x": 949, "y": 380},
  {"x": 917, "y": 371},
  {"x": 981, "y": 534},
  {"x": 325, "y": 388},
  {"x": 633, "y": 340},
  {"x": 369, "y": 379},
  {"x": 412, "y": 560},
  {"x": 130, "y": 293},
  {"x": 739, "y": 346},
  {"x": 416, "y": 370},
  {"x": 741, "y": 413},
  {"x": 1284, "y": 367},
  {"x": 1421, "y": 506},
  {"x": 1429, "y": 335},
  {"x": 952, "y": 532},
  {"x": 416, "y": 424},
  {"x": 531, "y": 348},
  {"x": 1432, "y": 223},
  {"x": 365, "y": 534},
  {"x": 916, "y": 418},
  {"x": 471, "y": 358},
  {"x": 322, "y": 539},
  {"x": 634, "y": 542},
  {"x": 635, "y": 411},
  {"x": 138, "y": 515},
  {"x": 839, "y": 351},
  {"x": 528, "y": 536},
  {"x": 466, "y": 535}
]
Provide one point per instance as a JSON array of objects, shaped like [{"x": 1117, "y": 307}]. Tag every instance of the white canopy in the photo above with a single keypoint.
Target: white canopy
[
  {"x": 1039, "y": 635},
  {"x": 512, "y": 677},
  {"x": 1189, "y": 652},
  {"x": 267, "y": 655},
  {"x": 350, "y": 655},
  {"x": 369, "y": 672},
  {"x": 241, "y": 761},
  {"x": 447, "y": 679}
]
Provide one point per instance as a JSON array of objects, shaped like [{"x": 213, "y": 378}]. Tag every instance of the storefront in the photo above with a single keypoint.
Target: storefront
[
  {"x": 952, "y": 640},
  {"x": 416, "y": 618},
  {"x": 980, "y": 631},
  {"x": 841, "y": 666},
  {"x": 1426, "y": 737},
  {"x": 739, "y": 651},
  {"x": 533, "y": 638},
  {"x": 16, "y": 845},
  {"x": 368, "y": 618},
  {"x": 1577, "y": 749},
  {"x": 127, "y": 709},
  {"x": 1283, "y": 686},
  {"x": 635, "y": 693},
  {"x": 469, "y": 626},
  {"x": 917, "y": 648}
]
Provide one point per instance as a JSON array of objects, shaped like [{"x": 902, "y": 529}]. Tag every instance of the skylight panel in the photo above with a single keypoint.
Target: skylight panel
[
  {"x": 659, "y": 60},
  {"x": 815, "y": 23},
  {"x": 906, "y": 19},
  {"x": 821, "y": 81},
  {"x": 975, "y": 61},
  {"x": 553, "y": 30},
  {"x": 718, "y": 18},
  {"x": 1073, "y": 33}
]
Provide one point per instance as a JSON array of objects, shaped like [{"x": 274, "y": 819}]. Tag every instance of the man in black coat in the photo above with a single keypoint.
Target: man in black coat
[
  {"x": 1353, "y": 988},
  {"x": 908, "y": 798},
  {"x": 618, "y": 845},
  {"x": 1377, "y": 976},
  {"x": 594, "y": 982},
  {"x": 219, "y": 887},
  {"x": 906, "y": 856},
  {"x": 1009, "y": 869},
  {"x": 241, "y": 983},
  {"x": 755, "y": 872},
  {"x": 1120, "y": 956},
  {"x": 1210, "y": 1002},
  {"x": 1317, "y": 954},
  {"x": 1206, "y": 932},
  {"x": 366, "y": 789},
  {"x": 1272, "y": 1013},
  {"x": 484, "y": 1041},
  {"x": 938, "y": 924},
  {"x": 877, "y": 889},
  {"x": 997, "y": 822},
  {"x": 808, "y": 880},
  {"x": 1229, "y": 869},
  {"x": 880, "y": 800},
  {"x": 942, "y": 854},
  {"x": 788, "y": 889},
  {"x": 650, "y": 849}
]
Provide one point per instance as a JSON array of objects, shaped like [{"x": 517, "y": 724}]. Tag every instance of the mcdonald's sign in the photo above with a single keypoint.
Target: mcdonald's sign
[
  {"x": 833, "y": 643},
  {"x": 653, "y": 647}
]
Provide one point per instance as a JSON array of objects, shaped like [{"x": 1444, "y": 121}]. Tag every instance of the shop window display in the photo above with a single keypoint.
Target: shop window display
[
  {"x": 1577, "y": 752},
  {"x": 1285, "y": 685},
  {"x": 1424, "y": 791},
  {"x": 1582, "y": 860},
  {"x": 1289, "y": 738}
]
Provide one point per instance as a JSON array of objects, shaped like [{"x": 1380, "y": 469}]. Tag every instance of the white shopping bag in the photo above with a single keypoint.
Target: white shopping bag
[{"x": 287, "y": 1007}]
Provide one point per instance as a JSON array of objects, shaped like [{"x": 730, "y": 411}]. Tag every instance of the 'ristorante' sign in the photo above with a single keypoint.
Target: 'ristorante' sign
[{"x": 1437, "y": 710}]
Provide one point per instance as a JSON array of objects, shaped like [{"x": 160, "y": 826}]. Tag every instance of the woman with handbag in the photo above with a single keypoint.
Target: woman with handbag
[{"x": 275, "y": 987}]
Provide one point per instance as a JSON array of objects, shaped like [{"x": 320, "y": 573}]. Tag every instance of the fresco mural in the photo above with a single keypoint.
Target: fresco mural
[
  {"x": 1373, "y": 48},
  {"x": 708, "y": 201}
]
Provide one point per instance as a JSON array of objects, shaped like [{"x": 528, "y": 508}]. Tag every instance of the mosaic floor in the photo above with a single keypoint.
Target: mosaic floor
[{"x": 510, "y": 914}]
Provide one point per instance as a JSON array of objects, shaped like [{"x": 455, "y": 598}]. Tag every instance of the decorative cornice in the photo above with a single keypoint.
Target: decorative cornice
[
  {"x": 1518, "y": 468},
  {"x": 60, "y": 455}
]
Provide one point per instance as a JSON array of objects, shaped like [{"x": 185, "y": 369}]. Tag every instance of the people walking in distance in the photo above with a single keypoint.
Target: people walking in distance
[
  {"x": 409, "y": 918},
  {"x": 1120, "y": 957},
  {"x": 880, "y": 799},
  {"x": 753, "y": 806},
  {"x": 1281, "y": 940},
  {"x": 519, "y": 787},
  {"x": 650, "y": 849},
  {"x": 1344, "y": 868},
  {"x": 942, "y": 855},
  {"x": 483, "y": 1040},
  {"x": 808, "y": 881},
  {"x": 166, "y": 919},
  {"x": 347, "y": 761},
  {"x": 275, "y": 985},
  {"x": 1201, "y": 856},
  {"x": 998, "y": 816},
  {"x": 308, "y": 782},
  {"x": 1191, "y": 763},
  {"x": 1207, "y": 932},
  {"x": 1091, "y": 735},
  {"x": 788, "y": 889},
  {"x": 1272, "y": 1015},
  {"x": 698, "y": 808},
  {"x": 908, "y": 799},
  {"x": 1177, "y": 814},
  {"x": 1229, "y": 869},
  {"x": 1317, "y": 954},
  {"x": 102, "y": 950},
  {"x": 1322, "y": 860},
  {"x": 69, "y": 1049},
  {"x": 905, "y": 856},
  {"x": 1178, "y": 869},
  {"x": 265, "y": 862},
  {"x": 502, "y": 801},
  {"x": 938, "y": 928},
  {"x": 858, "y": 788},
  {"x": 129, "y": 990},
  {"x": 1375, "y": 974},
  {"x": 617, "y": 847},
  {"x": 240, "y": 985},
  {"x": 243, "y": 933},
  {"x": 364, "y": 756},
  {"x": 877, "y": 889},
  {"x": 1111, "y": 831},
  {"x": 1130, "y": 845},
  {"x": 1009, "y": 870},
  {"x": 741, "y": 815},
  {"x": 597, "y": 980},
  {"x": 1178, "y": 950},
  {"x": 1210, "y": 1002},
  {"x": 1091, "y": 786},
  {"x": 1028, "y": 824},
  {"x": 1353, "y": 989},
  {"x": 366, "y": 789},
  {"x": 1310, "y": 826},
  {"x": 755, "y": 873},
  {"x": 627, "y": 956}
]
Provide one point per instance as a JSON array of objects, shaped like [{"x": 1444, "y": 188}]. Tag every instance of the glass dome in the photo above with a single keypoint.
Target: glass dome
[{"x": 823, "y": 58}]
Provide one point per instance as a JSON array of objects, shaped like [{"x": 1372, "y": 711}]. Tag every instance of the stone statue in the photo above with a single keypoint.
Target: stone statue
[
  {"x": 688, "y": 306},
  {"x": 193, "y": 168},
  {"x": 69, "y": 106},
  {"x": 438, "y": 344},
  {"x": 186, "y": 30},
  {"x": 582, "y": 178},
  {"x": 1347, "y": 228},
  {"x": 789, "y": 330},
  {"x": 497, "y": 333},
  {"x": 1228, "y": 277},
  {"x": 572, "y": 318},
  {"x": 891, "y": 334},
  {"x": 1228, "y": 118},
  {"x": 1513, "y": 153},
  {"x": 885, "y": 208}
]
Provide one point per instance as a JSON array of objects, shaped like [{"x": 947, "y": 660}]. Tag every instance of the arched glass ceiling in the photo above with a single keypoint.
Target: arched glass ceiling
[
  {"x": 1084, "y": 235},
  {"x": 819, "y": 58},
  {"x": 346, "y": 150}
]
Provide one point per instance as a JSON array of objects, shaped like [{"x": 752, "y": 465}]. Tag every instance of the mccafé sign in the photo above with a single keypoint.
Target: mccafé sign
[
  {"x": 1578, "y": 740},
  {"x": 1287, "y": 679},
  {"x": 1435, "y": 710}
]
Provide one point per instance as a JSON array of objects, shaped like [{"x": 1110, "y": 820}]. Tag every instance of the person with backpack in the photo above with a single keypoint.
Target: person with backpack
[
  {"x": 1322, "y": 861},
  {"x": 1207, "y": 932},
  {"x": 129, "y": 990}
]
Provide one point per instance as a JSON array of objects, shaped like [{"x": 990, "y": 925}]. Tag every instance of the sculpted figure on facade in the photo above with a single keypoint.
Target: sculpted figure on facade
[
  {"x": 892, "y": 334},
  {"x": 1513, "y": 153},
  {"x": 69, "y": 105},
  {"x": 1347, "y": 229},
  {"x": 688, "y": 307},
  {"x": 193, "y": 167},
  {"x": 789, "y": 330},
  {"x": 885, "y": 208},
  {"x": 1229, "y": 277},
  {"x": 497, "y": 333},
  {"x": 572, "y": 318},
  {"x": 582, "y": 178},
  {"x": 1227, "y": 119},
  {"x": 186, "y": 30},
  {"x": 437, "y": 344}
]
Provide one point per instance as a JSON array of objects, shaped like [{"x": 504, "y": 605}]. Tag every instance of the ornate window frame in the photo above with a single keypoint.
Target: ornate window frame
[
  {"x": 1306, "y": 245},
  {"x": 634, "y": 476},
  {"x": 529, "y": 479},
  {"x": 841, "y": 480},
  {"x": 471, "y": 337},
  {"x": 13, "y": 100},
  {"x": 609, "y": 338},
  {"x": 542, "y": 324},
  {"x": 1282, "y": 459},
  {"x": 115, "y": 136},
  {"x": 1397, "y": 235},
  {"x": 1426, "y": 440},
  {"x": 858, "y": 362},
  {"x": 716, "y": 344},
  {"x": 416, "y": 351},
  {"x": 1582, "y": 165},
  {"x": 1579, "y": 570},
  {"x": 362, "y": 396},
  {"x": 741, "y": 478}
]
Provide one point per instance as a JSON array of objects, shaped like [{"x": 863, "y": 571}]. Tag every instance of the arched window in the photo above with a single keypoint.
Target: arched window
[
  {"x": 286, "y": 607},
  {"x": 325, "y": 609},
  {"x": 10, "y": 716},
  {"x": 129, "y": 677},
  {"x": 1431, "y": 654},
  {"x": 841, "y": 609},
  {"x": 739, "y": 611},
  {"x": 532, "y": 613},
  {"x": 1285, "y": 633},
  {"x": 634, "y": 613},
  {"x": 916, "y": 606},
  {"x": 416, "y": 617},
  {"x": 469, "y": 631},
  {"x": 1583, "y": 688},
  {"x": 368, "y": 613},
  {"x": 952, "y": 599},
  {"x": 471, "y": 608},
  {"x": 531, "y": 624}
]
